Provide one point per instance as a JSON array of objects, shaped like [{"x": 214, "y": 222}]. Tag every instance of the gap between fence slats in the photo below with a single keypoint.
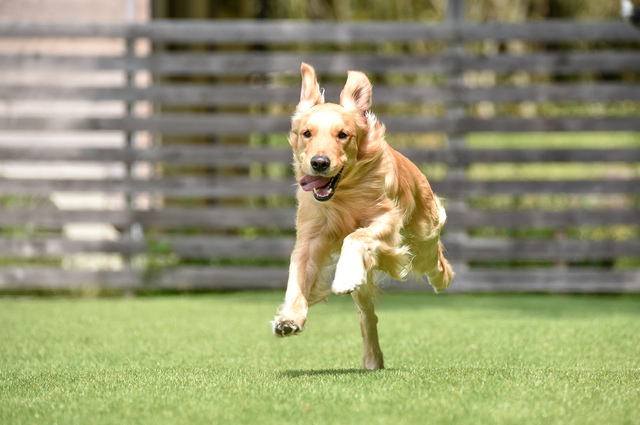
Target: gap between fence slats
[
  {"x": 238, "y": 124},
  {"x": 244, "y": 156},
  {"x": 241, "y": 95},
  {"x": 220, "y": 64},
  {"x": 242, "y": 187},
  {"x": 237, "y": 278},
  {"x": 284, "y": 218},
  {"x": 279, "y": 248}
]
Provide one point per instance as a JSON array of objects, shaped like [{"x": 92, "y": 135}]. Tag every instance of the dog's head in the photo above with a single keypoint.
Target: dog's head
[{"x": 327, "y": 138}]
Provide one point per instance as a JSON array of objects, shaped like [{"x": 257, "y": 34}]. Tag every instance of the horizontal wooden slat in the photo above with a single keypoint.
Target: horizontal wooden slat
[
  {"x": 184, "y": 278},
  {"x": 549, "y": 31},
  {"x": 235, "y": 218},
  {"x": 570, "y": 280},
  {"x": 56, "y": 247},
  {"x": 244, "y": 156},
  {"x": 530, "y": 219},
  {"x": 596, "y": 91},
  {"x": 240, "y": 187},
  {"x": 229, "y": 156},
  {"x": 280, "y": 31},
  {"x": 234, "y": 278},
  {"x": 17, "y": 29},
  {"x": 213, "y": 218},
  {"x": 288, "y": 31},
  {"x": 183, "y": 246},
  {"x": 474, "y": 156},
  {"x": 243, "y": 95},
  {"x": 482, "y": 249},
  {"x": 238, "y": 31},
  {"x": 458, "y": 188},
  {"x": 568, "y": 62},
  {"x": 279, "y": 248},
  {"x": 190, "y": 187},
  {"x": 233, "y": 124},
  {"x": 239, "y": 124},
  {"x": 188, "y": 94}
]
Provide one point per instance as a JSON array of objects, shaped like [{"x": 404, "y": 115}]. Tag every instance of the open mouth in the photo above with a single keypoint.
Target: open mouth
[{"x": 323, "y": 187}]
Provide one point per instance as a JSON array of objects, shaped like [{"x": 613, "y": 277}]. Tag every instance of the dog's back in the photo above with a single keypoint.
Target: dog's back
[{"x": 423, "y": 219}]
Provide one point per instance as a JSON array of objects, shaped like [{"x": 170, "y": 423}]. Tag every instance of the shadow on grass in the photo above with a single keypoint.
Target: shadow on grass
[{"x": 324, "y": 372}]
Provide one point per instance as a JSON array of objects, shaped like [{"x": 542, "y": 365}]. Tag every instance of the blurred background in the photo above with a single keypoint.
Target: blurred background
[{"x": 143, "y": 145}]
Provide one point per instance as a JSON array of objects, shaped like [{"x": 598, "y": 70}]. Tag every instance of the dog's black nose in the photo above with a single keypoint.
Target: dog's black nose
[{"x": 320, "y": 163}]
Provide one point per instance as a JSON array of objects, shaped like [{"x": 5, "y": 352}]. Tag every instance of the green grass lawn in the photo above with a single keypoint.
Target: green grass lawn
[{"x": 464, "y": 359}]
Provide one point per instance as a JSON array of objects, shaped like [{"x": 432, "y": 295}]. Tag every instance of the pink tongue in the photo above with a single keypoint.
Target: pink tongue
[{"x": 308, "y": 182}]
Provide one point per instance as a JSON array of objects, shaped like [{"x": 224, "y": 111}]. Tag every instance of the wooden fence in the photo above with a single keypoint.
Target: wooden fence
[{"x": 531, "y": 132}]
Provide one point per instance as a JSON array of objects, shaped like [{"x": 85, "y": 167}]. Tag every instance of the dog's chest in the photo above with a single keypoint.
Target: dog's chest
[{"x": 339, "y": 223}]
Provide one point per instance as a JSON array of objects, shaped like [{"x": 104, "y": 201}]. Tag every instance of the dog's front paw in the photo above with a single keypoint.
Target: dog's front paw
[
  {"x": 350, "y": 270},
  {"x": 286, "y": 327},
  {"x": 348, "y": 281}
]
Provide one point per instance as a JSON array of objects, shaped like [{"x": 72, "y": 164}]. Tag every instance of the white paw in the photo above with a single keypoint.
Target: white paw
[{"x": 348, "y": 278}]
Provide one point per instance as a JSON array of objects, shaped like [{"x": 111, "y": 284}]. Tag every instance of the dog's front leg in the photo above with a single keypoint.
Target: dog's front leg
[
  {"x": 306, "y": 261},
  {"x": 376, "y": 246}
]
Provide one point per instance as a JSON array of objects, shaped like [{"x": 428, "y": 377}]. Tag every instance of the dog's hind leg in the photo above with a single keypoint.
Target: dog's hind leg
[
  {"x": 440, "y": 273},
  {"x": 371, "y": 353},
  {"x": 428, "y": 250},
  {"x": 432, "y": 263}
]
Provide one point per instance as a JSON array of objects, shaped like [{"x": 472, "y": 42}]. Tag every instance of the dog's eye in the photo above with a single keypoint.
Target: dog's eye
[
  {"x": 342, "y": 135},
  {"x": 307, "y": 134}
]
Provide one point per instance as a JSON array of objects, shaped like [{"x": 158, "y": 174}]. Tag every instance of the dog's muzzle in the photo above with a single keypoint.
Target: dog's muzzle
[{"x": 323, "y": 187}]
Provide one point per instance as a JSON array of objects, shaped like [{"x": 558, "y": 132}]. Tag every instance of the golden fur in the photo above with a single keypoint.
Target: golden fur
[{"x": 382, "y": 215}]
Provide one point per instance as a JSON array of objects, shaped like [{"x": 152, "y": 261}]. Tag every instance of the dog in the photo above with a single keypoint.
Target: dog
[{"x": 361, "y": 205}]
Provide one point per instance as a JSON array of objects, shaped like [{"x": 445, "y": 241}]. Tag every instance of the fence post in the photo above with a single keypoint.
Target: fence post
[
  {"x": 455, "y": 112},
  {"x": 133, "y": 232}
]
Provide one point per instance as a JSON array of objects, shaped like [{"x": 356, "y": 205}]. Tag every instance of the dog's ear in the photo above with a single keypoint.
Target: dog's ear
[
  {"x": 356, "y": 95},
  {"x": 310, "y": 94}
]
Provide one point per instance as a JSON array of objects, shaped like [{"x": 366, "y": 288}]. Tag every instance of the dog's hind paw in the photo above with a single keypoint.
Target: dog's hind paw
[{"x": 282, "y": 328}]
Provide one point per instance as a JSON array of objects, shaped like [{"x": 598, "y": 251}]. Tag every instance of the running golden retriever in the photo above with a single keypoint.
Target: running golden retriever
[{"x": 358, "y": 198}]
